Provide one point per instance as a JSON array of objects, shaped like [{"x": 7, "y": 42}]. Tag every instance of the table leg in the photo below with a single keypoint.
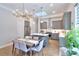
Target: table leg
[
  {"x": 32, "y": 37},
  {"x": 30, "y": 52},
  {"x": 13, "y": 49}
]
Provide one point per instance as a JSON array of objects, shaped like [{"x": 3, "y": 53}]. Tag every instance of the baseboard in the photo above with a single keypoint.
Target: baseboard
[{"x": 6, "y": 45}]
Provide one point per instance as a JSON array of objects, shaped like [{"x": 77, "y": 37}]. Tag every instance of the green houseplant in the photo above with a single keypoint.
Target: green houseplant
[{"x": 72, "y": 41}]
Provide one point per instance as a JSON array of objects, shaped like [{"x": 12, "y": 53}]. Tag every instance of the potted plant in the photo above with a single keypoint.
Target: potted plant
[{"x": 72, "y": 41}]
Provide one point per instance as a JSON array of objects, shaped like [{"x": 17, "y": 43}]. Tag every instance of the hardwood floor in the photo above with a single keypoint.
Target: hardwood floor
[{"x": 51, "y": 50}]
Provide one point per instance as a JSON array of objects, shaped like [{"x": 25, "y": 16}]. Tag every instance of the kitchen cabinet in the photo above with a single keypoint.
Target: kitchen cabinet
[
  {"x": 67, "y": 21},
  {"x": 62, "y": 42},
  {"x": 57, "y": 24}
]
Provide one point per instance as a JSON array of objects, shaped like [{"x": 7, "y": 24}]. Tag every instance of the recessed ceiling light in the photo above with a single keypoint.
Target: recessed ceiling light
[
  {"x": 51, "y": 4},
  {"x": 26, "y": 11},
  {"x": 33, "y": 22},
  {"x": 41, "y": 21},
  {"x": 17, "y": 9},
  {"x": 53, "y": 12}
]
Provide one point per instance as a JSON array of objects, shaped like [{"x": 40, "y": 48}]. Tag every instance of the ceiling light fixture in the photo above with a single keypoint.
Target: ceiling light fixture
[
  {"x": 53, "y": 12},
  {"x": 41, "y": 21},
  {"x": 51, "y": 5},
  {"x": 41, "y": 12},
  {"x": 22, "y": 13},
  {"x": 33, "y": 22}
]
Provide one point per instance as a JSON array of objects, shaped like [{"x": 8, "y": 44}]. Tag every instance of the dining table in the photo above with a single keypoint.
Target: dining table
[
  {"x": 30, "y": 43},
  {"x": 39, "y": 34}
]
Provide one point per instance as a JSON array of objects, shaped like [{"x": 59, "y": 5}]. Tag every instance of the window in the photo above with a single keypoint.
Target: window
[{"x": 43, "y": 25}]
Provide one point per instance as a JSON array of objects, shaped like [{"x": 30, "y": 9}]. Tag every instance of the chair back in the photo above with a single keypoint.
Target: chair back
[
  {"x": 16, "y": 44},
  {"x": 40, "y": 46},
  {"x": 45, "y": 41},
  {"x": 22, "y": 45}
]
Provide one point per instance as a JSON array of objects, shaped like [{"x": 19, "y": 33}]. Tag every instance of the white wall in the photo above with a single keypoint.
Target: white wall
[
  {"x": 33, "y": 24},
  {"x": 11, "y": 27},
  {"x": 20, "y": 27},
  {"x": 8, "y": 27}
]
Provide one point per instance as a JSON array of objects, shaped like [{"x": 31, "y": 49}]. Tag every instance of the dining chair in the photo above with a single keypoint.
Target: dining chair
[
  {"x": 21, "y": 46},
  {"x": 39, "y": 47},
  {"x": 45, "y": 44},
  {"x": 15, "y": 46},
  {"x": 45, "y": 41}
]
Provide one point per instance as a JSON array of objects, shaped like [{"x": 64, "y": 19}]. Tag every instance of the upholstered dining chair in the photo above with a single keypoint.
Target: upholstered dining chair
[
  {"x": 23, "y": 46},
  {"x": 20, "y": 45},
  {"x": 15, "y": 46},
  {"x": 45, "y": 40},
  {"x": 39, "y": 47},
  {"x": 45, "y": 44}
]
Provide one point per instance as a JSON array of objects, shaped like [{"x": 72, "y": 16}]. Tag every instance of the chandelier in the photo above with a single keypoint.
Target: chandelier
[
  {"x": 22, "y": 13},
  {"x": 27, "y": 15},
  {"x": 41, "y": 12}
]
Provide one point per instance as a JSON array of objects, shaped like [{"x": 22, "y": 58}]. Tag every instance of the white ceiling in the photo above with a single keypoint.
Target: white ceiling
[{"x": 57, "y": 7}]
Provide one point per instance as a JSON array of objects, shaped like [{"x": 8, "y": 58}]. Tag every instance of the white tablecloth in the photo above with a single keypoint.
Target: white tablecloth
[
  {"x": 39, "y": 34},
  {"x": 30, "y": 41}
]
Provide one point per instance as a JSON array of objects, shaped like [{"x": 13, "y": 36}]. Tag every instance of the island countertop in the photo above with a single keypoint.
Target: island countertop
[{"x": 61, "y": 32}]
